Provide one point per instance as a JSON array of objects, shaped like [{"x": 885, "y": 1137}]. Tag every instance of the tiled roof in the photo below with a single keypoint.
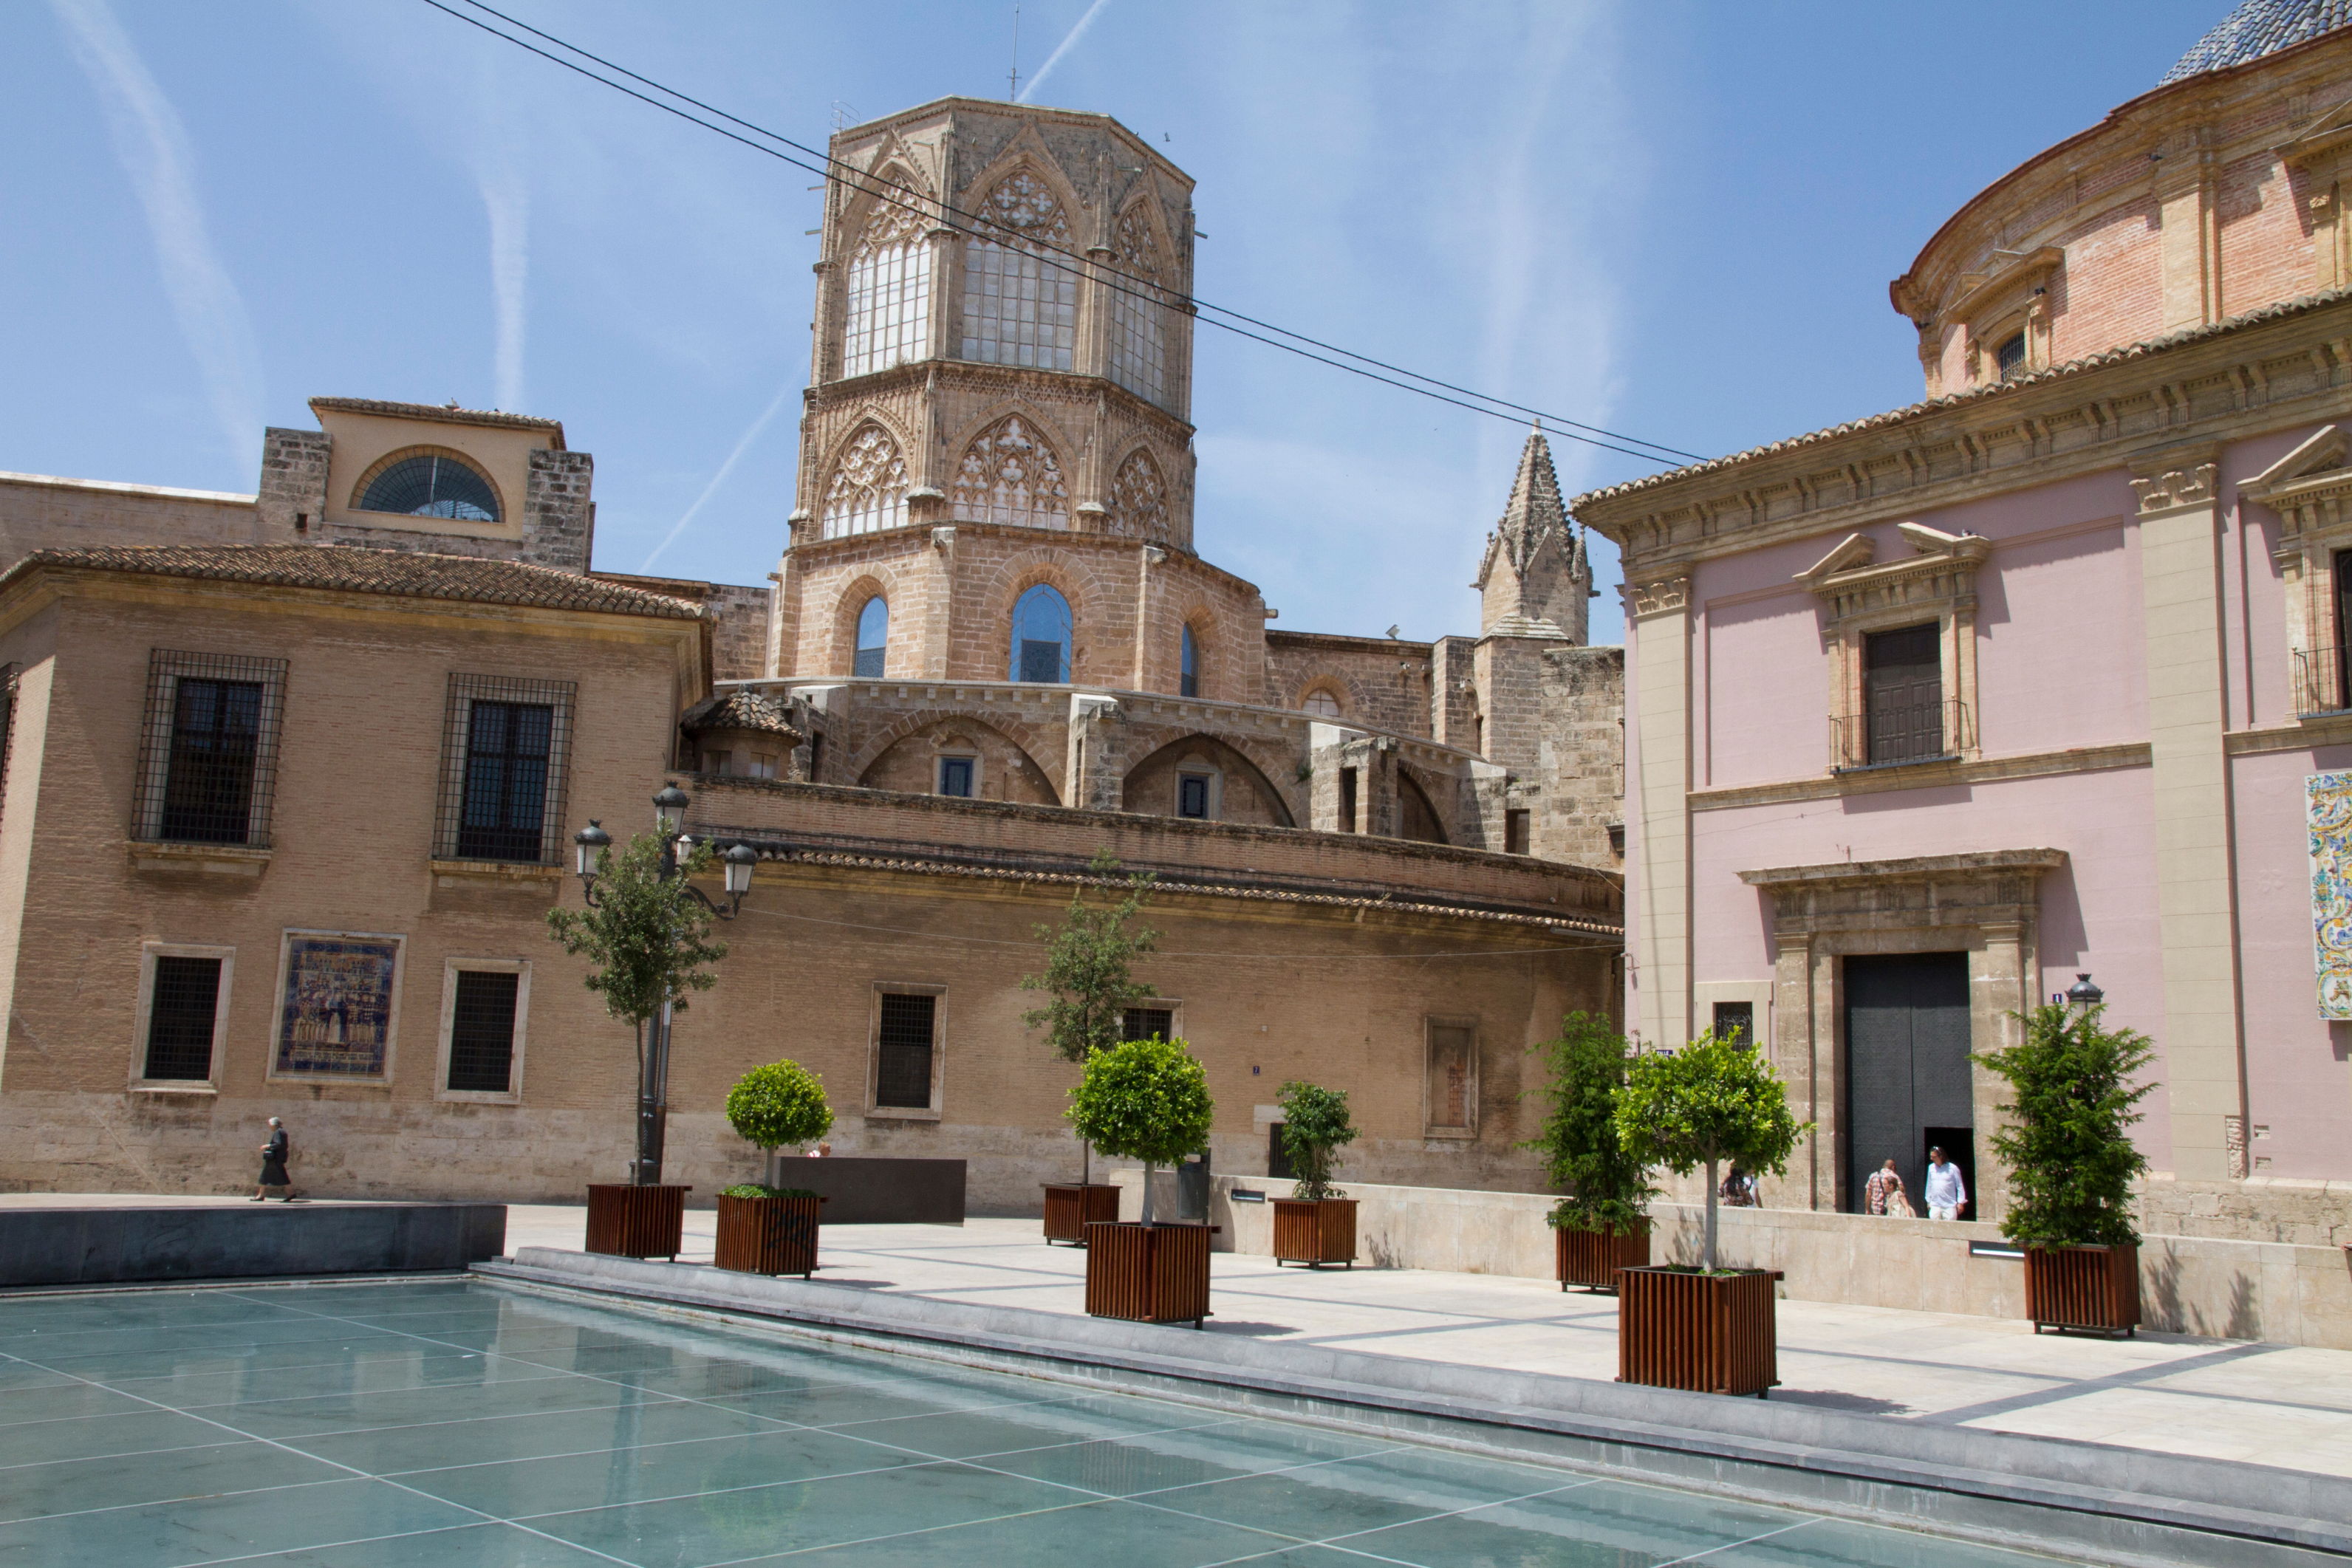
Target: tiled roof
[
  {"x": 446, "y": 414},
  {"x": 345, "y": 569},
  {"x": 2309, "y": 302},
  {"x": 739, "y": 709},
  {"x": 2256, "y": 29}
]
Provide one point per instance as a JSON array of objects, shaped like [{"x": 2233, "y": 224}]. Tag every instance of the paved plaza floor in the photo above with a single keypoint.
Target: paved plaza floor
[{"x": 2263, "y": 1403}]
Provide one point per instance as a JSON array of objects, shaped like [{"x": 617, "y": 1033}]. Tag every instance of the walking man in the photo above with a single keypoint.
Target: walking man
[
  {"x": 1883, "y": 1191},
  {"x": 1946, "y": 1196},
  {"x": 273, "y": 1164}
]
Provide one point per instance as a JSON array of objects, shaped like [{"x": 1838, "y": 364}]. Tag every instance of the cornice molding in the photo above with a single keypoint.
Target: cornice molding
[{"x": 1933, "y": 775}]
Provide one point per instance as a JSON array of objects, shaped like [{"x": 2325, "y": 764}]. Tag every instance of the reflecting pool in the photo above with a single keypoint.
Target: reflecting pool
[{"x": 454, "y": 1424}]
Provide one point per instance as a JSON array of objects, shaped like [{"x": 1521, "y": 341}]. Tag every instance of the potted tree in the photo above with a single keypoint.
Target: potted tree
[
  {"x": 767, "y": 1228},
  {"x": 1145, "y": 1100},
  {"x": 2068, "y": 1152},
  {"x": 1600, "y": 1224},
  {"x": 646, "y": 936},
  {"x": 1709, "y": 1329},
  {"x": 1087, "y": 960},
  {"x": 1317, "y": 1223}
]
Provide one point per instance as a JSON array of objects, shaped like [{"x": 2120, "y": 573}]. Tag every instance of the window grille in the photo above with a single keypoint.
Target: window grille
[
  {"x": 1736, "y": 1022},
  {"x": 482, "y": 1030},
  {"x": 1148, "y": 1023},
  {"x": 1021, "y": 305},
  {"x": 955, "y": 776},
  {"x": 889, "y": 293},
  {"x": 183, "y": 1003},
  {"x": 902, "y": 1076},
  {"x": 432, "y": 485},
  {"x": 505, "y": 745},
  {"x": 2010, "y": 355},
  {"x": 208, "y": 750}
]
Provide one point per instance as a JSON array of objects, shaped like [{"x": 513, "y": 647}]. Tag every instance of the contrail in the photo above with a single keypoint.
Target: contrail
[
  {"x": 507, "y": 201},
  {"x": 152, "y": 145},
  {"x": 1054, "y": 58},
  {"x": 719, "y": 479}
]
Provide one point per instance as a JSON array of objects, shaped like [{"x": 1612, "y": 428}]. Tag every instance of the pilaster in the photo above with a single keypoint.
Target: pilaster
[
  {"x": 1660, "y": 613},
  {"x": 1097, "y": 762}
]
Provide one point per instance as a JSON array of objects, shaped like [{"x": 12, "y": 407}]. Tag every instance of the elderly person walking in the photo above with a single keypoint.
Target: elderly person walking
[
  {"x": 273, "y": 1164},
  {"x": 1947, "y": 1195}
]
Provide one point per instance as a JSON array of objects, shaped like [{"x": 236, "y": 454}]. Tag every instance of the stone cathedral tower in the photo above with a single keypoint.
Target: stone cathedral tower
[{"x": 1535, "y": 580}]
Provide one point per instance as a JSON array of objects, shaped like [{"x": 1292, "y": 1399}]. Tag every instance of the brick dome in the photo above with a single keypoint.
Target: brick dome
[{"x": 2256, "y": 29}]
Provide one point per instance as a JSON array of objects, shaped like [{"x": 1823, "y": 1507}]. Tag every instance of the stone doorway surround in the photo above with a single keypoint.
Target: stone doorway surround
[{"x": 1984, "y": 903}]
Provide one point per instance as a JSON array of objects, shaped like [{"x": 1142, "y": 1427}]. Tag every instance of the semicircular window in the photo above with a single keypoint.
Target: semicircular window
[{"x": 432, "y": 487}]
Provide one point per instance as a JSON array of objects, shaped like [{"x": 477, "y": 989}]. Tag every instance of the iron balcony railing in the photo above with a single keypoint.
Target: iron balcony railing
[
  {"x": 2319, "y": 682},
  {"x": 1894, "y": 734}
]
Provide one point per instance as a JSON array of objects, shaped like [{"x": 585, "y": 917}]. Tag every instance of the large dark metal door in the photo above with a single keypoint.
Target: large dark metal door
[{"x": 1907, "y": 1053}]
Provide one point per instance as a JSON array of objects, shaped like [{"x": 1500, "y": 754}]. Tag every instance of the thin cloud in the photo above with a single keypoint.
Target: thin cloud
[
  {"x": 741, "y": 446},
  {"x": 1062, "y": 49},
  {"x": 508, "y": 199},
  {"x": 152, "y": 145}
]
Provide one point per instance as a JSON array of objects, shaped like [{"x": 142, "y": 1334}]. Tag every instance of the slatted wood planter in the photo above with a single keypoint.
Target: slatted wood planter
[
  {"x": 1148, "y": 1274},
  {"x": 1711, "y": 1333},
  {"x": 1314, "y": 1231},
  {"x": 625, "y": 1221},
  {"x": 1592, "y": 1257},
  {"x": 1071, "y": 1207},
  {"x": 768, "y": 1235},
  {"x": 2088, "y": 1289}
]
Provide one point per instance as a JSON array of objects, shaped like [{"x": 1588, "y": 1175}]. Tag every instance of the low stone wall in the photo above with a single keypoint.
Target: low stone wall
[
  {"x": 117, "y": 1244},
  {"x": 2276, "y": 1292}
]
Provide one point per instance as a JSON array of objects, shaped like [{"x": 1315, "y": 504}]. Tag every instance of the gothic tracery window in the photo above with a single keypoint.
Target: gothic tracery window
[
  {"x": 1010, "y": 475},
  {"x": 1138, "y": 498},
  {"x": 1020, "y": 286},
  {"x": 1137, "y": 350},
  {"x": 867, "y": 492},
  {"x": 889, "y": 292}
]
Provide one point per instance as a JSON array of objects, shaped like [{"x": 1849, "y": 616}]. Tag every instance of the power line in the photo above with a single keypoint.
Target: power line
[{"x": 1134, "y": 285}]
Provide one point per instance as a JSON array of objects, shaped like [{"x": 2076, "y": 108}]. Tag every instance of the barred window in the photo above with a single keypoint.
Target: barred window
[
  {"x": 208, "y": 753},
  {"x": 482, "y": 1031},
  {"x": 505, "y": 744},
  {"x": 889, "y": 293},
  {"x": 183, "y": 1009},
  {"x": 906, "y": 1039},
  {"x": 1148, "y": 1023}
]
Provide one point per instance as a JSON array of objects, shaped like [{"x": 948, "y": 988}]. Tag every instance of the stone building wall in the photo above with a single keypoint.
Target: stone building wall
[
  {"x": 1377, "y": 680},
  {"x": 1580, "y": 771},
  {"x": 37, "y": 512}
]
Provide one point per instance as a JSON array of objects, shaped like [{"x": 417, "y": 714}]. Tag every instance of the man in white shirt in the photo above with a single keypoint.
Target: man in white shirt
[{"x": 1946, "y": 1195}]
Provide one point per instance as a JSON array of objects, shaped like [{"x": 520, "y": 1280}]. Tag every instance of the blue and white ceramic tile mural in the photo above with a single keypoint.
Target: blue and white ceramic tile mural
[{"x": 2327, "y": 800}]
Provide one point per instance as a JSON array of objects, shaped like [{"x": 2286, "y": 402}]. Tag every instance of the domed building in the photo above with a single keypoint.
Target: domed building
[{"x": 2044, "y": 677}]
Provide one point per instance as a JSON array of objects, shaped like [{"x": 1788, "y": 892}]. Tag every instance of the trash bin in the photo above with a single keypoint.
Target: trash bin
[{"x": 1192, "y": 1189}]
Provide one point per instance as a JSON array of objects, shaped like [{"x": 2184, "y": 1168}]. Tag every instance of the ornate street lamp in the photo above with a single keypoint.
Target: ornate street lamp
[
  {"x": 2082, "y": 996},
  {"x": 738, "y": 862}
]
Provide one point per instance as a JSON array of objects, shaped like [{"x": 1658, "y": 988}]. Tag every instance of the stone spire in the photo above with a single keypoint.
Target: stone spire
[{"x": 1534, "y": 578}]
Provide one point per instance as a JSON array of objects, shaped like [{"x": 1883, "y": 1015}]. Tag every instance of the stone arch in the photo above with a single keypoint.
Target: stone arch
[
  {"x": 1418, "y": 818},
  {"x": 840, "y": 652},
  {"x": 1201, "y": 618},
  {"x": 901, "y": 757},
  {"x": 1249, "y": 796},
  {"x": 1341, "y": 689},
  {"x": 1139, "y": 503},
  {"x": 844, "y": 451},
  {"x": 1026, "y": 153}
]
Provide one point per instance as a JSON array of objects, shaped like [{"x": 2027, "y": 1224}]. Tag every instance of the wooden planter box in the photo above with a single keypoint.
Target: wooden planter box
[
  {"x": 1070, "y": 1208},
  {"x": 2091, "y": 1290},
  {"x": 1149, "y": 1273},
  {"x": 636, "y": 1221},
  {"x": 1592, "y": 1257},
  {"x": 768, "y": 1235},
  {"x": 1711, "y": 1333},
  {"x": 1314, "y": 1231}
]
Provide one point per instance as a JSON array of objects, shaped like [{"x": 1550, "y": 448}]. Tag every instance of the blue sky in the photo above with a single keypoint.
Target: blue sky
[{"x": 1666, "y": 218}]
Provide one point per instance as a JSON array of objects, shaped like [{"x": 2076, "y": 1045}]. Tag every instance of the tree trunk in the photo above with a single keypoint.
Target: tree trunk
[
  {"x": 1707, "y": 1246},
  {"x": 1146, "y": 1193},
  {"x": 775, "y": 1176},
  {"x": 1086, "y": 1163}
]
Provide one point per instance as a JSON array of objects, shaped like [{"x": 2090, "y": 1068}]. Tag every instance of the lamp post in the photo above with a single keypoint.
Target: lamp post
[
  {"x": 2082, "y": 996},
  {"x": 653, "y": 1068}
]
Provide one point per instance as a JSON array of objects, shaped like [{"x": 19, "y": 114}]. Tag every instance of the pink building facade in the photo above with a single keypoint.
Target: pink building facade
[{"x": 1931, "y": 713}]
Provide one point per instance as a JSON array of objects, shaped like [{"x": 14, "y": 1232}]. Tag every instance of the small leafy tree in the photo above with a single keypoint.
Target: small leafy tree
[
  {"x": 1145, "y": 1100},
  {"x": 1087, "y": 960},
  {"x": 1315, "y": 1126},
  {"x": 780, "y": 1104},
  {"x": 2067, "y": 1144},
  {"x": 1713, "y": 1101},
  {"x": 1602, "y": 1185}
]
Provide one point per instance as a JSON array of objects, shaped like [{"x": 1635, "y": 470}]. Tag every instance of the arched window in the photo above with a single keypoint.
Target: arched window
[
  {"x": 1188, "y": 677},
  {"x": 868, "y": 489},
  {"x": 1138, "y": 354},
  {"x": 2010, "y": 355},
  {"x": 1041, "y": 637},
  {"x": 1009, "y": 475},
  {"x": 1138, "y": 498},
  {"x": 873, "y": 639},
  {"x": 889, "y": 293},
  {"x": 1321, "y": 703},
  {"x": 1020, "y": 284},
  {"x": 432, "y": 485}
]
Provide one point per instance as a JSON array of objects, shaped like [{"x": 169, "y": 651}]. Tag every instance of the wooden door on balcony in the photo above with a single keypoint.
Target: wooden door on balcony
[
  {"x": 1907, "y": 1069},
  {"x": 1902, "y": 693}
]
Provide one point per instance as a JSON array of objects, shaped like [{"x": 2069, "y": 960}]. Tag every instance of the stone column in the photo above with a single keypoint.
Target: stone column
[
  {"x": 1148, "y": 559},
  {"x": 2203, "y": 1050},
  {"x": 1095, "y": 769},
  {"x": 1660, "y": 801}
]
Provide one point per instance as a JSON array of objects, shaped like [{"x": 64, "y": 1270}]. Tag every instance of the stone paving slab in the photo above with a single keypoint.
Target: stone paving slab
[{"x": 2273, "y": 1404}]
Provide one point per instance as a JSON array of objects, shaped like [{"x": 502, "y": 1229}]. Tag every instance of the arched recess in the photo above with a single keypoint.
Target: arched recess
[
  {"x": 1010, "y": 473},
  {"x": 1137, "y": 505},
  {"x": 1326, "y": 697},
  {"x": 841, "y": 657},
  {"x": 1247, "y": 794},
  {"x": 1026, "y": 571},
  {"x": 1004, "y": 771},
  {"x": 1417, "y": 815},
  {"x": 864, "y": 489}
]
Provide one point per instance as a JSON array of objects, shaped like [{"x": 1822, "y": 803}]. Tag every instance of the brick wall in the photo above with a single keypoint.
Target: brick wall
[{"x": 1380, "y": 681}]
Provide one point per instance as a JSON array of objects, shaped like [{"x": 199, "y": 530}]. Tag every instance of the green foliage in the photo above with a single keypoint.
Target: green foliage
[
  {"x": 1145, "y": 1100},
  {"x": 1315, "y": 1126},
  {"x": 1603, "y": 1187},
  {"x": 2067, "y": 1142},
  {"x": 753, "y": 1189},
  {"x": 648, "y": 941},
  {"x": 1086, "y": 969},
  {"x": 1713, "y": 1101},
  {"x": 780, "y": 1104}
]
